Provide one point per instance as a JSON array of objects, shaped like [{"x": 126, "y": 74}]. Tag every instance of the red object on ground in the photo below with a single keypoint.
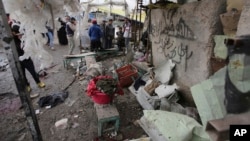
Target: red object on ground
[
  {"x": 126, "y": 75},
  {"x": 98, "y": 96}
]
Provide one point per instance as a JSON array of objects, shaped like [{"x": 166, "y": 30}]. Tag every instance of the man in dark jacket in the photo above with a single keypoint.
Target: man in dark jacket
[
  {"x": 103, "y": 28},
  {"x": 109, "y": 33},
  {"x": 95, "y": 35}
]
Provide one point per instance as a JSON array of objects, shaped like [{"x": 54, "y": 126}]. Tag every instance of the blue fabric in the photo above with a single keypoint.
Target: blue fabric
[
  {"x": 51, "y": 39},
  {"x": 95, "y": 32}
]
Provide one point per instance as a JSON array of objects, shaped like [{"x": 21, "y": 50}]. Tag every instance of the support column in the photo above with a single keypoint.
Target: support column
[{"x": 11, "y": 53}]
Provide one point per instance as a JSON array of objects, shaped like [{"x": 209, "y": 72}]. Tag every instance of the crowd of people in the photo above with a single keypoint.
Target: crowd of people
[{"x": 101, "y": 37}]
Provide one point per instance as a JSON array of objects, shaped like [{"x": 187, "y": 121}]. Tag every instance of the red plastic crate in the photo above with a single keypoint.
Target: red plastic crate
[{"x": 126, "y": 75}]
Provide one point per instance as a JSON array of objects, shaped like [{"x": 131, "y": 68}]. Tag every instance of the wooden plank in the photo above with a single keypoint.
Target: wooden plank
[
  {"x": 105, "y": 111},
  {"x": 79, "y": 55},
  {"x": 107, "y": 51}
]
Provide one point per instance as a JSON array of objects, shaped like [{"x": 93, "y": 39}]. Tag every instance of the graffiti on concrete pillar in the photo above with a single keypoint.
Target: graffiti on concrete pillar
[
  {"x": 156, "y": 30},
  {"x": 178, "y": 30},
  {"x": 165, "y": 32},
  {"x": 164, "y": 43},
  {"x": 182, "y": 30},
  {"x": 180, "y": 53}
]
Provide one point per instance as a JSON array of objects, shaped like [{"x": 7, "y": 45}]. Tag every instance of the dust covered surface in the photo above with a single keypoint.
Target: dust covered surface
[{"x": 78, "y": 108}]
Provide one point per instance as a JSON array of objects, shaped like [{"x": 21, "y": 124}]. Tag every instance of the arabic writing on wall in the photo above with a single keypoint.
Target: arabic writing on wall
[{"x": 165, "y": 34}]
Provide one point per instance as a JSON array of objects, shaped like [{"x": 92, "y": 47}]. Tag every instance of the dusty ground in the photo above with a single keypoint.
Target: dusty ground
[{"x": 78, "y": 108}]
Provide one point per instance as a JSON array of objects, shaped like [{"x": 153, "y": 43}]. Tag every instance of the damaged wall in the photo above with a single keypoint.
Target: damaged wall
[{"x": 185, "y": 35}]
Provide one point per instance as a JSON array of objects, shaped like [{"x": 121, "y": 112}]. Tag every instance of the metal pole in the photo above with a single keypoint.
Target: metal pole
[
  {"x": 11, "y": 52},
  {"x": 149, "y": 39},
  {"x": 136, "y": 10},
  {"x": 140, "y": 19}
]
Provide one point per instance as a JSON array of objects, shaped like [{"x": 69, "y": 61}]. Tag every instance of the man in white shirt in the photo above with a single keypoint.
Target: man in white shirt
[{"x": 127, "y": 32}]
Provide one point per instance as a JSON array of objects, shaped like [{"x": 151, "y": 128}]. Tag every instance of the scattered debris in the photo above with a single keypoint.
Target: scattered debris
[
  {"x": 53, "y": 99},
  {"x": 164, "y": 72},
  {"x": 138, "y": 55},
  {"x": 163, "y": 125},
  {"x": 37, "y": 111},
  {"x": 70, "y": 101},
  {"x": 62, "y": 124},
  {"x": 94, "y": 70},
  {"x": 34, "y": 95},
  {"x": 113, "y": 134},
  {"x": 126, "y": 75},
  {"x": 136, "y": 123},
  {"x": 209, "y": 97},
  {"x": 76, "y": 116},
  {"x": 166, "y": 90},
  {"x": 218, "y": 129},
  {"x": 3, "y": 64},
  {"x": 81, "y": 78},
  {"x": 75, "y": 125}
]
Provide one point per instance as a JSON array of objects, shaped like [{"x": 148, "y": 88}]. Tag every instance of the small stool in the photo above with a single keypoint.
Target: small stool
[{"x": 106, "y": 113}]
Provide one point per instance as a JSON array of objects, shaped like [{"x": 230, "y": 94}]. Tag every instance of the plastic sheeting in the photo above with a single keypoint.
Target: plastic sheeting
[
  {"x": 164, "y": 73},
  {"x": 209, "y": 97},
  {"x": 172, "y": 126}
]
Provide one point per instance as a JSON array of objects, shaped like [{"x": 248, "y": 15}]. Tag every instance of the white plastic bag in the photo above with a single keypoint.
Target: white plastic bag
[
  {"x": 166, "y": 90},
  {"x": 164, "y": 72}
]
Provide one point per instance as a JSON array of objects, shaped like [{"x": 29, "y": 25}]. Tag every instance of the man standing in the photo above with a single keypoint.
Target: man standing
[
  {"x": 50, "y": 35},
  {"x": 127, "y": 32},
  {"x": 120, "y": 39},
  {"x": 70, "y": 30},
  {"x": 103, "y": 28},
  {"x": 95, "y": 35},
  {"x": 109, "y": 34},
  {"x": 25, "y": 63}
]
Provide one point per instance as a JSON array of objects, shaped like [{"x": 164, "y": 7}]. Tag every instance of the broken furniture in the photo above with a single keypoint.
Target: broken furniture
[
  {"x": 126, "y": 75},
  {"x": 163, "y": 74},
  {"x": 218, "y": 129},
  {"x": 146, "y": 101},
  {"x": 68, "y": 58},
  {"x": 107, "y": 113}
]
